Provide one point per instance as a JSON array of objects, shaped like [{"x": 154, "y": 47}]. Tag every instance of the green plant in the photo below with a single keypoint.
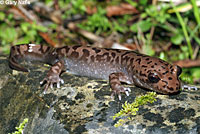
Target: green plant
[
  {"x": 97, "y": 23},
  {"x": 120, "y": 24},
  {"x": 185, "y": 30},
  {"x": 151, "y": 17},
  {"x": 74, "y": 7},
  {"x": 189, "y": 75},
  {"x": 30, "y": 32},
  {"x": 2, "y": 16},
  {"x": 8, "y": 33},
  {"x": 196, "y": 10},
  {"x": 20, "y": 129},
  {"x": 14, "y": 33},
  {"x": 147, "y": 47},
  {"x": 144, "y": 26},
  {"x": 132, "y": 3},
  {"x": 130, "y": 110},
  {"x": 183, "y": 25}
]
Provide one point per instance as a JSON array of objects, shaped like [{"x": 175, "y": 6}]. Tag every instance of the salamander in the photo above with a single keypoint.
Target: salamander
[{"x": 114, "y": 65}]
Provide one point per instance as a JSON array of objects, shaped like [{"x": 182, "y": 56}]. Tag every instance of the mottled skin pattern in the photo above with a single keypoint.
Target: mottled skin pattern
[{"x": 111, "y": 64}]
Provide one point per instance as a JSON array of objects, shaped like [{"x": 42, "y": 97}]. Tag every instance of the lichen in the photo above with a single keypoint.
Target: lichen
[
  {"x": 130, "y": 109},
  {"x": 20, "y": 129}
]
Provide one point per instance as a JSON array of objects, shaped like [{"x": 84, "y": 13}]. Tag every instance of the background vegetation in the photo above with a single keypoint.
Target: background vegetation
[{"x": 169, "y": 30}]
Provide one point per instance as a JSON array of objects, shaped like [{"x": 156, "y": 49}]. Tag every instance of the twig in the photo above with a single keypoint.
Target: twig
[
  {"x": 84, "y": 33},
  {"x": 190, "y": 63},
  {"x": 196, "y": 50},
  {"x": 153, "y": 27},
  {"x": 183, "y": 25},
  {"x": 137, "y": 44},
  {"x": 56, "y": 5}
]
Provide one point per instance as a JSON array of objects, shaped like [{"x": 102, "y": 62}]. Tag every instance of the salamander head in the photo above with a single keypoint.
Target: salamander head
[{"x": 158, "y": 76}]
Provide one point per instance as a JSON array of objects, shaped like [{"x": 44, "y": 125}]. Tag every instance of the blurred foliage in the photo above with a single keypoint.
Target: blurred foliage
[
  {"x": 75, "y": 6},
  {"x": 97, "y": 22},
  {"x": 13, "y": 33}
]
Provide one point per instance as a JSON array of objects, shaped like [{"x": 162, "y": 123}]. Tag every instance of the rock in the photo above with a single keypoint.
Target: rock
[{"x": 83, "y": 105}]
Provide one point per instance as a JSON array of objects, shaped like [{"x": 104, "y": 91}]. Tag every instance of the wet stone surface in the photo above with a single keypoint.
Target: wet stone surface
[{"x": 83, "y": 105}]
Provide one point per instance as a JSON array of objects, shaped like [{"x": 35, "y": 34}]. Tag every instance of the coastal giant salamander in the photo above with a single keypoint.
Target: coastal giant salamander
[{"x": 111, "y": 64}]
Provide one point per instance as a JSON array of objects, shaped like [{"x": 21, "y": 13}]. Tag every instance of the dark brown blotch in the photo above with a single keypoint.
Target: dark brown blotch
[
  {"x": 117, "y": 60},
  {"x": 106, "y": 55},
  {"x": 165, "y": 72},
  {"x": 117, "y": 50},
  {"x": 136, "y": 71},
  {"x": 125, "y": 59},
  {"x": 27, "y": 46},
  {"x": 172, "y": 71},
  {"x": 170, "y": 88},
  {"x": 18, "y": 49},
  {"x": 75, "y": 47},
  {"x": 92, "y": 58},
  {"x": 13, "y": 48},
  {"x": 128, "y": 52},
  {"x": 75, "y": 54},
  {"x": 108, "y": 58},
  {"x": 96, "y": 50},
  {"x": 138, "y": 54},
  {"x": 144, "y": 66},
  {"x": 166, "y": 64},
  {"x": 138, "y": 60},
  {"x": 41, "y": 49},
  {"x": 131, "y": 60},
  {"x": 99, "y": 57},
  {"x": 86, "y": 53},
  {"x": 44, "y": 49},
  {"x": 67, "y": 49},
  {"x": 161, "y": 61},
  {"x": 147, "y": 59},
  {"x": 165, "y": 82},
  {"x": 47, "y": 49},
  {"x": 163, "y": 67},
  {"x": 142, "y": 74},
  {"x": 149, "y": 62},
  {"x": 113, "y": 54}
]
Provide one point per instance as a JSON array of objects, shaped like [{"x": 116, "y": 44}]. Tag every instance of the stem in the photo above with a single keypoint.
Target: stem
[
  {"x": 180, "y": 19},
  {"x": 196, "y": 11}
]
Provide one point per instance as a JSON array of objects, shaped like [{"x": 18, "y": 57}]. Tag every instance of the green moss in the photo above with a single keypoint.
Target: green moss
[
  {"x": 130, "y": 110},
  {"x": 21, "y": 127}
]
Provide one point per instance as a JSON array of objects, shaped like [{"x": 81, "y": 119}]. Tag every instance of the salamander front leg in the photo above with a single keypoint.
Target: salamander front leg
[
  {"x": 53, "y": 76},
  {"x": 115, "y": 80}
]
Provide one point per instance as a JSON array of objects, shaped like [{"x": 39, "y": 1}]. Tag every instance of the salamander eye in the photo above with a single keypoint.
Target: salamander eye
[
  {"x": 179, "y": 70},
  {"x": 153, "y": 78}
]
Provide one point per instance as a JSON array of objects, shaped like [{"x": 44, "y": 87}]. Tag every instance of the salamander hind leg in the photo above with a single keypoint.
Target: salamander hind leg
[
  {"x": 115, "y": 80},
  {"x": 53, "y": 76}
]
